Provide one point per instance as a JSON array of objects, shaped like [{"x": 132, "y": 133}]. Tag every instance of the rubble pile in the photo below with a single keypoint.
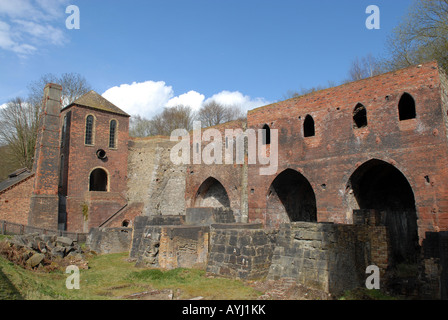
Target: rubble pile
[{"x": 35, "y": 250}]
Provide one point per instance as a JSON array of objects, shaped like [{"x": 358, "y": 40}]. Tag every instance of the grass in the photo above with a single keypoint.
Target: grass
[{"x": 113, "y": 277}]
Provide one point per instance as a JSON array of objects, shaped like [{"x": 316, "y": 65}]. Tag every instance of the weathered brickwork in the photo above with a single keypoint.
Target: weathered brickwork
[
  {"x": 231, "y": 176},
  {"x": 44, "y": 200},
  {"x": 15, "y": 202},
  {"x": 80, "y": 161},
  {"x": 416, "y": 147}
]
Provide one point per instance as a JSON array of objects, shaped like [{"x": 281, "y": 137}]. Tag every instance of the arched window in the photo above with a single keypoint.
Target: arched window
[
  {"x": 359, "y": 116},
  {"x": 266, "y": 135},
  {"x": 89, "y": 130},
  {"x": 112, "y": 134},
  {"x": 406, "y": 107},
  {"x": 98, "y": 180},
  {"x": 308, "y": 127},
  {"x": 64, "y": 131}
]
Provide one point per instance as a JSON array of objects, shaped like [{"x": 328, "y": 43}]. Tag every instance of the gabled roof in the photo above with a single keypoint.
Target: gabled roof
[
  {"x": 15, "y": 178},
  {"x": 95, "y": 101}
]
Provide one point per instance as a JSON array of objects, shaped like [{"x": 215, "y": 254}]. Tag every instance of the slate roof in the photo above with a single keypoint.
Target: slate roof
[
  {"x": 95, "y": 101},
  {"x": 15, "y": 178}
]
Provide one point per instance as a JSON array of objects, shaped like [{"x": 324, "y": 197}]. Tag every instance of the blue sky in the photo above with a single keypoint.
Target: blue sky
[{"x": 144, "y": 55}]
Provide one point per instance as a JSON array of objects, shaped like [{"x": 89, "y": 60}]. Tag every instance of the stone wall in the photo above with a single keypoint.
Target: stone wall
[
  {"x": 241, "y": 251},
  {"x": 153, "y": 179},
  {"x": 326, "y": 256},
  {"x": 111, "y": 240},
  {"x": 208, "y": 216}
]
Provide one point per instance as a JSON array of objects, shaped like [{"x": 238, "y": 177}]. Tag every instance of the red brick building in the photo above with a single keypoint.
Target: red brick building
[{"x": 93, "y": 162}]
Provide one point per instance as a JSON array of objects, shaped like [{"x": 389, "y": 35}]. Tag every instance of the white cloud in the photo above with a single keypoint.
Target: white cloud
[
  {"x": 145, "y": 99},
  {"x": 149, "y": 98},
  {"x": 236, "y": 98},
  {"x": 27, "y": 24},
  {"x": 192, "y": 99}
]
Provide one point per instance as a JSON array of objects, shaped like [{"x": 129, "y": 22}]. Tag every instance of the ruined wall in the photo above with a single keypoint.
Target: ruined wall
[
  {"x": 111, "y": 240},
  {"x": 416, "y": 147},
  {"x": 328, "y": 257},
  {"x": 240, "y": 251},
  {"x": 15, "y": 202},
  {"x": 153, "y": 180},
  {"x": 233, "y": 176}
]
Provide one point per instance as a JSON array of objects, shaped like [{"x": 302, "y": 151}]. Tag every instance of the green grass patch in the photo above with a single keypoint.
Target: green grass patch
[{"x": 112, "y": 276}]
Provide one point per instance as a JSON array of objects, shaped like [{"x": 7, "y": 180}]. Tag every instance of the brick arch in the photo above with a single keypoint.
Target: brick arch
[
  {"x": 211, "y": 193},
  {"x": 379, "y": 185},
  {"x": 290, "y": 198},
  {"x": 92, "y": 175}
]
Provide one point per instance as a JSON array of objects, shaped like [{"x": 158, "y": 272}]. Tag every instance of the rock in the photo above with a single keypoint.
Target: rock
[
  {"x": 35, "y": 260},
  {"x": 64, "y": 241},
  {"x": 58, "y": 252}
]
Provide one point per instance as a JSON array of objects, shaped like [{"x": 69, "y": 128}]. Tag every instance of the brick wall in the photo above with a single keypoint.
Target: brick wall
[
  {"x": 15, "y": 202},
  {"x": 81, "y": 159},
  {"x": 416, "y": 147}
]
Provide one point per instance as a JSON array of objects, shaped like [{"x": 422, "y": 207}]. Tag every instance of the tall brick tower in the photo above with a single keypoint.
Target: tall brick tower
[{"x": 45, "y": 200}]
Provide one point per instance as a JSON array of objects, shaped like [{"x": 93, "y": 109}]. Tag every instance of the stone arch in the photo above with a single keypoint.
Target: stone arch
[
  {"x": 380, "y": 186},
  {"x": 212, "y": 193},
  {"x": 99, "y": 180},
  {"x": 290, "y": 198}
]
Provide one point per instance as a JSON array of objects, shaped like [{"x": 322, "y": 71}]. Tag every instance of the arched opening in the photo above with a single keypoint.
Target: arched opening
[
  {"x": 406, "y": 107},
  {"x": 98, "y": 180},
  {"x": 266, "y": 135},
  {"x": 290, "y": 198},
  {"x": 380, "y": 186},
  {"x": 308, "y": 127},
  {"x": 125, "y": 223},
  {"x": 212, "y": 194},
  {"x": 359, "y": 116}
]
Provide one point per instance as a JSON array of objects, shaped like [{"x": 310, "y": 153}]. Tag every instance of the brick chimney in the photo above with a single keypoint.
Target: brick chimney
[{"x": 44, "y": 200}]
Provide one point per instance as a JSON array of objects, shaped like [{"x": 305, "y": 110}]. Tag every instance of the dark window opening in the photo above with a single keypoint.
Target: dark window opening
[
  {"x": 98, "y": 180},
  {"x": 308, "y": 127},
  {"x": 89, "y": 130},
  {"x": 406, "y": 107},
  {"x": 266, "y": 135},
  {"x": 125, "y": 223},
  {"x": 360, "y": 116},
  {"x": 112, "y": 133}
]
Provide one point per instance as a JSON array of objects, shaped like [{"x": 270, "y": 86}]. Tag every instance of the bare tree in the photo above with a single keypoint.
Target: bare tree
[
  {"x": 178, "y": 117},
  {"x": 365, "y": 67},
  {"x": 139, "y": 126},
  {"x": 18, "y": 130},
  {"x": 73, "y": 86},
  {"x": 213, "y": 113},
  {"x": 421, "y": 36}
]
